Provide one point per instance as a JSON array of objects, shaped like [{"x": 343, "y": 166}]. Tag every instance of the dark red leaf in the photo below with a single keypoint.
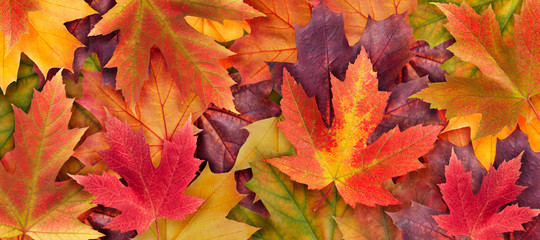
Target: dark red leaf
[
  {"x": 221, "y": 137},
  {"x": 387, "y": 44},
  {"x": 417, "y": 222},
  {"x": 440, "y": 155},
  {"x": 322, "y": 49},
  {"x": 406, "y": 112}
]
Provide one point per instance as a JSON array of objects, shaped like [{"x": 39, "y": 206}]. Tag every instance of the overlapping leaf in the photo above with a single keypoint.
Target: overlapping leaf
[
  {"x": 271, "y": 39},
  {"x": 193, "y": 58},
  {"x": 151, "y": 192},
  {"x": 291, "y": 205},
  {"x": 428, "y": 21},
  {"x": 507, "y": 82},
  {"x": 340, "y": 155},
  {"x": 159, "y": 111},
  {"x": 477, "y": 215},
  {"x": 36, "y": 27},
  {"x": 209, "y": 221},
  {"x": 32, "y": 203}
]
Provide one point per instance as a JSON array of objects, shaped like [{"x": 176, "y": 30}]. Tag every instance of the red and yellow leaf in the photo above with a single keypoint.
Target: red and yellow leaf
[
  {"x": 39, "y": 33},
  {"x": 32, "y": 203},
  {"x": 159, "y": 111},
  {"x": 340, "y": 155}
]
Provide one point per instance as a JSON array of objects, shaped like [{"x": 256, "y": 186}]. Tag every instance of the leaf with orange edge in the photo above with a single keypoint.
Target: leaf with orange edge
[
  {"x": 40, "y": 34},
  {"x": 532, "y": 128},
  {"x": 507, "y": 82},
  {"x": 193, "y": 58},
  {"x": 228, "y": 31},
  {"x": 32, "y": 203},
  {"x": 272, "y": 38},
  {"x": 340, "y": 155},
  {"x": 159, "y": 111}
]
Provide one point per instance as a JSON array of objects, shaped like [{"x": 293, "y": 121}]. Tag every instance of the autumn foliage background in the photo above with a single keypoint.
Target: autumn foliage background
[{"x": 270, "y": 119}]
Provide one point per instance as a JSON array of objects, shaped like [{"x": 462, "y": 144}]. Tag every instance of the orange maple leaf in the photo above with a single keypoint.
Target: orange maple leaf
[
  {"x": 193, "y": 58},
  {"x": 340, "y": 155},
  {"x": 36, "y": 27}
]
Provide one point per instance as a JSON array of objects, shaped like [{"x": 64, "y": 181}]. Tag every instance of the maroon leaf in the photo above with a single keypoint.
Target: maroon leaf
[
  {"x": 322, "y": 49},
  {"x": 387, "y": 44},
  {"x": 221, "y": 137},
  {"x": 440, "y": 155},
  {"x": 103, "y": 45},
  {"x": 101, "y": 216},
  {"x": 417, "y": 222},
  {"x": 253, "y": 100},
  {"x": 509, "y": 148},
  {"x": 244, "y": 176},
  {"x": 406, "y": 112},
  {"x": 426, "y": 62}
]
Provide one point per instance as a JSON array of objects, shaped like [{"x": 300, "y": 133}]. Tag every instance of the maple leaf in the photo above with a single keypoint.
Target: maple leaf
[
  {"x": 291, "y": 205},
  {"x": 477, "y": 215},
  {"x": 37, "y": 29},
  {"x": 322, "y": 49},
  {"x": 387, "y": 43},
  {"x": 209, "y": 221},
  {"x": 103, "y": 46},
  {"x": 439, "y": 157},
  {"x": 151, "y": 192},
  {"x": 427, "y": 21},
  {"x": 511, "y": 147},
  {"x": 253, "y": 101},
  {"x": 368, "y": 223},
  {"x": 193, "y": 57},
  {"x": 221, "y": 137},
  {"x": 32, "y": 203},
  {"x": 484, "y": 147},
  {"x": 159, "y": 97},
  {"x": 417, "y": 222},
  {"x": 506, "y": 84},
  {"x": 271, "y": 39},
  {"x": 19, "y": 94},
  {"x": 426, "y": 61},
  {"x": 405, "y": 112},
  {"x": 340, "y": 155},
  {"x": 357, "y": 13}
]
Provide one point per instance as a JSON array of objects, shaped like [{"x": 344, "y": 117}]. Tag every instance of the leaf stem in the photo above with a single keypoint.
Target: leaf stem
[
  {"x": 533, "y": 108},
  {"x": 157, "y": 230},
  {"x": 325, "y": 197}
]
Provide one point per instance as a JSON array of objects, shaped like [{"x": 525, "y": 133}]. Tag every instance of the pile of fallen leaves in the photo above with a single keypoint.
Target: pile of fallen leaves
[{"x": 270, "y": 119}]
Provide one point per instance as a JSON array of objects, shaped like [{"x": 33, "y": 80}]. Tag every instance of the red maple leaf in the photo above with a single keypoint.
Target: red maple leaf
[
  {"x": 477, "y": 215},
  {"x": 150, "y": 192}
]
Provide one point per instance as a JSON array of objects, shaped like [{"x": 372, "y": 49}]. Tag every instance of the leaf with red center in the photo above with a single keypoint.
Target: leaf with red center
[
  {"x": 340, "y": 155},
  {"x": 151, "y": 192},
  {"x": 508, "y": 79},
  {"x": 477, "y": 215},
  {"x": 193, "y": 57},
  {"x": 31, "y": 202}
]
